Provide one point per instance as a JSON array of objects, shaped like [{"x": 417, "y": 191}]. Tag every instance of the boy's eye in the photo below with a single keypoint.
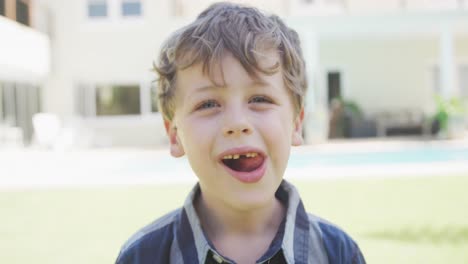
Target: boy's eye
[
  {"x": 260, "y": 99},
  {"x": 207, "y": 104}
]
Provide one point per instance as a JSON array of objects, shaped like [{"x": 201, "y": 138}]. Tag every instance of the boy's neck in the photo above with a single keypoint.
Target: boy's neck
[
  {"x": 218, "y": 219},
  {"x": 235, "y": 232}
]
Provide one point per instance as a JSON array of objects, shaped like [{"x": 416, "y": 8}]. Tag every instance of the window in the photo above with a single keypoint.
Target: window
[
  {"x": 154, "y": 98},
  {"x": 22, "y": 12},
  {"x": 9, "y": 107},
  {"x": 2, "y": 8},
  {"x": 131, "y": 8},
  {"x": 97, "y": 8},
  {"x": 117, "y": 100},
  {"x": 91, "y": 100}
]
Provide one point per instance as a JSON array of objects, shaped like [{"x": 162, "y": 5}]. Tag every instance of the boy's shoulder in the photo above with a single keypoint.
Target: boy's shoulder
[
  {"x": 340, "y": 247},
  {"x": 154, "y": 241}
]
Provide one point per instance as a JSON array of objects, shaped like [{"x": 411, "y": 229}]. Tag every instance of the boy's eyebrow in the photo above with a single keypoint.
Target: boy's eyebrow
[
  {"x": 264, "y": 84},
  {"x": 203, "y": 88}
]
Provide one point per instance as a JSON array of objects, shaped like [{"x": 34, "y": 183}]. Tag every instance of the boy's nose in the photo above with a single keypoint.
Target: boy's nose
[
  {"x": 232, "y": 131},
  {"x": 237, "y": 124}
]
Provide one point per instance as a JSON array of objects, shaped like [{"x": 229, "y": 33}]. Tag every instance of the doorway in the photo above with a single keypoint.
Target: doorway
[
  {"x": 335, "y": 106},
  {"x": 333, "y": 85}
]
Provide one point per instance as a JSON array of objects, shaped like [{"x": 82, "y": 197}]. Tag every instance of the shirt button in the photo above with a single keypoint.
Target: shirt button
[{"x": 218, "y": 258}]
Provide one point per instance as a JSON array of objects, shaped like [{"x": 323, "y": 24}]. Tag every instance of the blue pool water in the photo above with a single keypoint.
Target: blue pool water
[
  {"x": 410, "y": 155},
  {"x": 311, "y": 158}
]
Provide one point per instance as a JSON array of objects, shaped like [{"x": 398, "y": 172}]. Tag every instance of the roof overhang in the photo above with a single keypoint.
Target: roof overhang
[{"x": 24, "y": 52}]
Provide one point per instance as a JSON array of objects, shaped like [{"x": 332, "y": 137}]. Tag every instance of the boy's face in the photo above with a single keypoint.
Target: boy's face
[{"x": 238, "y": 137}]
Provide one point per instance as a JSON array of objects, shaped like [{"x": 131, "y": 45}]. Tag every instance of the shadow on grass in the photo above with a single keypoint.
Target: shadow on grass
[{"x": 447, "y": 234}]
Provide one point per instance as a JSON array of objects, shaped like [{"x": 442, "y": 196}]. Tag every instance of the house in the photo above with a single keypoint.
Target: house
[
  {"x": 25, "y": 56},
  {"x": 89, "y": 61}
]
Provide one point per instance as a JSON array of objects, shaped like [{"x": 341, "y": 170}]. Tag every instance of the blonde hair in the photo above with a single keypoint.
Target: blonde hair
[{"x": 245, "y": 32}]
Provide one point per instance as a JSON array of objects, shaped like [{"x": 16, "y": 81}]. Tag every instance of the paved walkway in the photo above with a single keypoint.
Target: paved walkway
[{"x": 32, "y": 168}]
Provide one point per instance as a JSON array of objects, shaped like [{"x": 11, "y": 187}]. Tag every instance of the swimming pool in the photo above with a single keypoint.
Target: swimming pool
[
  {"x": 94, "y": 167},
  {"x": 428, "y": 154},
  {"x": 315, "y": 158}
]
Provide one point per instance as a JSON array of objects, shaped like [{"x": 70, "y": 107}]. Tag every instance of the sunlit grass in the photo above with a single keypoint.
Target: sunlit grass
[{"x": 404, "y": 220}]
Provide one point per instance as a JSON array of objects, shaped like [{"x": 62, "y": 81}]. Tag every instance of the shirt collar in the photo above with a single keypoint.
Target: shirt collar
[{"x": 194, "y": 244}]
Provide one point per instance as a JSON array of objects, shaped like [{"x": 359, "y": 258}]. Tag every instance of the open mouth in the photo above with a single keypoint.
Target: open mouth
[{"x": 246, "y": 162}]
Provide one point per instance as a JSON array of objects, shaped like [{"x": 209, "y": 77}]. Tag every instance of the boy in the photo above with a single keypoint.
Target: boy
[{"x": 232, "y": 85}]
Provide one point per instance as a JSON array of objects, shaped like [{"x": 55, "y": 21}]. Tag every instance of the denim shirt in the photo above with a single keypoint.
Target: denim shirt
[{"x": 302, "y": 238}]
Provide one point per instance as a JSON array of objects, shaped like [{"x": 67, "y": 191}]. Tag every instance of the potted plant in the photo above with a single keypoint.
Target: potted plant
[{"x": 450, "y": 115}]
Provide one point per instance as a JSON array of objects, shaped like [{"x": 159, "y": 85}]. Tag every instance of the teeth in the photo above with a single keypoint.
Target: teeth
[{"x": 237, "y": 156}]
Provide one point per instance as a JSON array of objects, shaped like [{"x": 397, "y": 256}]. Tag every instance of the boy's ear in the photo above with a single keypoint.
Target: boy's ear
[
  {"x": 297, "y": 132},
  {"x": 176, "y": 147}
]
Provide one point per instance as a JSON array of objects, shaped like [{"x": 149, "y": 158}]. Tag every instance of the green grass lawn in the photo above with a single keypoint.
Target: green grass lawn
[{"x": 403, "y": 220}]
